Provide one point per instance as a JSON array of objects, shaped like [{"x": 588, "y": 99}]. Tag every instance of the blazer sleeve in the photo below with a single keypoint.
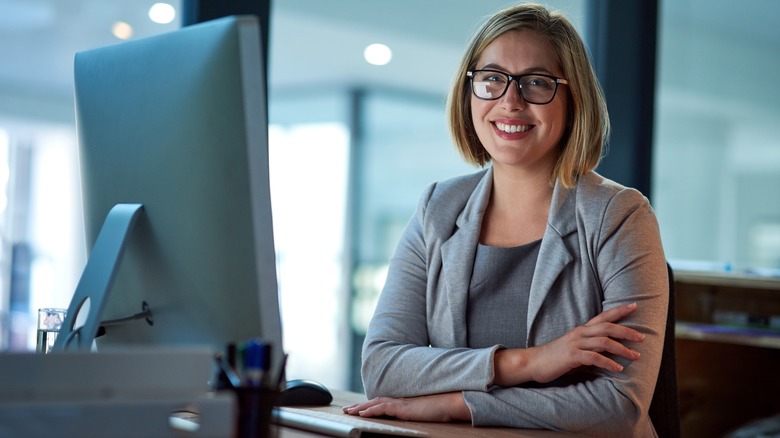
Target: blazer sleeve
[
  {"x": 398, "y": 359},
  {"x": 624, "y": 248}
]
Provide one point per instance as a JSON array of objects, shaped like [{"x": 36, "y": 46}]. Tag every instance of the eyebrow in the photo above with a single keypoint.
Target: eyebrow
[{"x": 494, "y": 66}]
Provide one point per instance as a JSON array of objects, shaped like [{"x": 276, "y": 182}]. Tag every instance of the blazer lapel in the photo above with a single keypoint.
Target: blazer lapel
[
  {"x": 458, "y": 254},
  {"x": 554, "y": 255}
]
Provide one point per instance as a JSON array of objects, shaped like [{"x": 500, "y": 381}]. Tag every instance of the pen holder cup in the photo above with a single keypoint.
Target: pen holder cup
[{"x": 255, "y": 408}]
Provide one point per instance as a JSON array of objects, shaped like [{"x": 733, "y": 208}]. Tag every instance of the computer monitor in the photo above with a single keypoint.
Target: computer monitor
[{"x": 172, "y": 129}]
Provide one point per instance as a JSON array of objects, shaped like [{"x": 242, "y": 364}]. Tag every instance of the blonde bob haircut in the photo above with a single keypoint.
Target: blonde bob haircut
[{"x": 587, "y": 119}]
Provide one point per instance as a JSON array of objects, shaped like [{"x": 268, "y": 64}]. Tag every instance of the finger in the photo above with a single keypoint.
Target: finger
[
  {"x": 592, "y": 358},
  {"x": 612, "y": 330},
  {"x": 385, "y": 408},
  {"x": 373, "y": 411},
  {"x": 614, "y": 314},
  {"x": 400, "y": 408},
  {"x": 355, "y": 408},
  {"x": 601, "y": 345}
]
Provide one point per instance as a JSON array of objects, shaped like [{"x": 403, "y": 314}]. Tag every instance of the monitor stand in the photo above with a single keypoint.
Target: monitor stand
[{"x": 96, "y": 280}]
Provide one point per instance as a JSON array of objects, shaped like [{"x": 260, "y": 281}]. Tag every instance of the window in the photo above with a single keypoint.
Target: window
[
  {"x": 40, "y": 223},
  {"x": 717, "y": 140},
  {"x": 405, "y": 147},
  {"x": 308, "y": 171},
  {"x": 308, "y": 166}
]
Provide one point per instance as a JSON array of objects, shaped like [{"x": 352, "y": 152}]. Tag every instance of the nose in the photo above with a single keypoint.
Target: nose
[{"x": 513, "y": 98}]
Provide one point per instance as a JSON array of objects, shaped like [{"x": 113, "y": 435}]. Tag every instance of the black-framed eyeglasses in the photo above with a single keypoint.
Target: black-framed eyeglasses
[{"x": 535, "y": 88}]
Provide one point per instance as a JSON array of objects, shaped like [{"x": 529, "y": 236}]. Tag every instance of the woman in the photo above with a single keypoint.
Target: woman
[{"x": 533, "y": 293}]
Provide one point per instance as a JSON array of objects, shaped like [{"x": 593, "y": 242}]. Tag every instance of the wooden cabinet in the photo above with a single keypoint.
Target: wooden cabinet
[{"x": 728, "y": 351}]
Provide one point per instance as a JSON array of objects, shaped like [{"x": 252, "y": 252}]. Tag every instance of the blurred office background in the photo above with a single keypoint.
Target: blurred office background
[{"x": 353, "y": 144}]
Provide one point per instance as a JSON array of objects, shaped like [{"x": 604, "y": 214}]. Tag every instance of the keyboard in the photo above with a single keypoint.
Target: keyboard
[{"x": 338, "y": 425}]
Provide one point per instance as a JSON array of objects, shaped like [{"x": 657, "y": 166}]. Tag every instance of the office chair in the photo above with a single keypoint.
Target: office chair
[{"x": 664, "y": 408}]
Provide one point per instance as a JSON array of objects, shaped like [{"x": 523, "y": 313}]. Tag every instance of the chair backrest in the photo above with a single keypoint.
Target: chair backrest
[{"x": 664, "y": 409}]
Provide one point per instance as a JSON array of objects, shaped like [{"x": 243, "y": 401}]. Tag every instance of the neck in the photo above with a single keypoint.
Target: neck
[
  {"x": 514, "y": 189},
  {"x": 518, "y": 208}
]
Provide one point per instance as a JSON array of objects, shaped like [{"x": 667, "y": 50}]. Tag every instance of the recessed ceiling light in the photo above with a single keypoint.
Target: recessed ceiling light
[
  {"x": 122, "y": 30},
  {"x": 377, "y": 54},
  {"x": 162, "y": 13}
]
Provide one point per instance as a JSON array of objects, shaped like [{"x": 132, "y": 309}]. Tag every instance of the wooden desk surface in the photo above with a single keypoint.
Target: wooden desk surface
[{"x": 434, "y": 430}]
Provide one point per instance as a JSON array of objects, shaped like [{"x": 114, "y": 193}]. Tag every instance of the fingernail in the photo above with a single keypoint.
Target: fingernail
[{"x": 632, "y": 305}]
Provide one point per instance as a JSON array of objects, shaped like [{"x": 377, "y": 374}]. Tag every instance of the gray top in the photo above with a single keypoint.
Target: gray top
[{"x": 498, "y": 295}]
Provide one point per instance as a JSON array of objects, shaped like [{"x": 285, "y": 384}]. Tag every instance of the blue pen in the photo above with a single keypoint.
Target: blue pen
[{"x": 254, "y": 363}]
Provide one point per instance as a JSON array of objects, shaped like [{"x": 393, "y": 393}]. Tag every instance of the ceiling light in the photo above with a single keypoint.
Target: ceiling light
[
  {"x": 162, "y": 13},
  {"x": 378, "y": 54},
  {"x": 122, "y": 30}
]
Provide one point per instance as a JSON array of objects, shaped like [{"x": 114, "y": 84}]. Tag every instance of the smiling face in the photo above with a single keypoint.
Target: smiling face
[{"x": 516, "y": 133}]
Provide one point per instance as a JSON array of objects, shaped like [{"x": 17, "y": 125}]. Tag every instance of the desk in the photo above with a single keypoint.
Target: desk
[{"x": 434, "y": 430}]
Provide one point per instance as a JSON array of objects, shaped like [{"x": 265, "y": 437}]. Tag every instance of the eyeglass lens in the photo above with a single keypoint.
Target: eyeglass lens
[{"x": 492, "y": 85}]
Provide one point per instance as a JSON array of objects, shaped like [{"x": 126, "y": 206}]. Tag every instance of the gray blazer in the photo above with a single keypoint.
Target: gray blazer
[{"x": 601, "y": 249}]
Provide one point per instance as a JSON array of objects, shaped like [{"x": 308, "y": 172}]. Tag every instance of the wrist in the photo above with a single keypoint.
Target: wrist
[
  {"x": 511, "y": 367},
  {"x": 462, "y": 411}
]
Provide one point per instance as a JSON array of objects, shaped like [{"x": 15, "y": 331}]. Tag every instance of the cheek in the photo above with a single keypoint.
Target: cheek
[
  {"x": 479, "y": 108},
  {"x": 558, "y": 115}
]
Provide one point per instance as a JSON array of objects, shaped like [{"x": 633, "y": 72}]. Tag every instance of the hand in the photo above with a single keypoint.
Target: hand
[
  {"x": 582, "y": 346},
  {"x": 442, "y": 408}
]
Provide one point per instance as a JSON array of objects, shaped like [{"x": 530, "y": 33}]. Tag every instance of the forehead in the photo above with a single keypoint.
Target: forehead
[{"x": 519, "y": 50}]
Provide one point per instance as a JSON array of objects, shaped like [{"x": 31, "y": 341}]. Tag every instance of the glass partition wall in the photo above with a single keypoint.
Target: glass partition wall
[
  {"x": 403, "y": 146},
  {"x": 309, "y": 157},
  {"x": 345, "y": 180},
  {"x": 716, "y": 171}
]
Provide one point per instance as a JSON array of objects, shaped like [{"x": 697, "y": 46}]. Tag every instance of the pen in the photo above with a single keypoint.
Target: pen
[
  {"x": 255, "y": 352},
  {"x": 282, "y": 375},
  {"x": 227, "y": 375}
]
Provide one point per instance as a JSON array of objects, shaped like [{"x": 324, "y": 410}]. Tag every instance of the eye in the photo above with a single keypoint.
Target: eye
[
  {"x": 537, "y": 82},
  {"x": 490, "y": 76}
]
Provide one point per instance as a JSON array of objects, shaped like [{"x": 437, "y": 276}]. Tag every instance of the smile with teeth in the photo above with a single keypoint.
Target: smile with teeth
[{"x": 511, "y": 129}]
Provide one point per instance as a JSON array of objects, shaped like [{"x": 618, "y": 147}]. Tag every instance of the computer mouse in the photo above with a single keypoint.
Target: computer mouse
[{"x": 304, "y": 392}]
